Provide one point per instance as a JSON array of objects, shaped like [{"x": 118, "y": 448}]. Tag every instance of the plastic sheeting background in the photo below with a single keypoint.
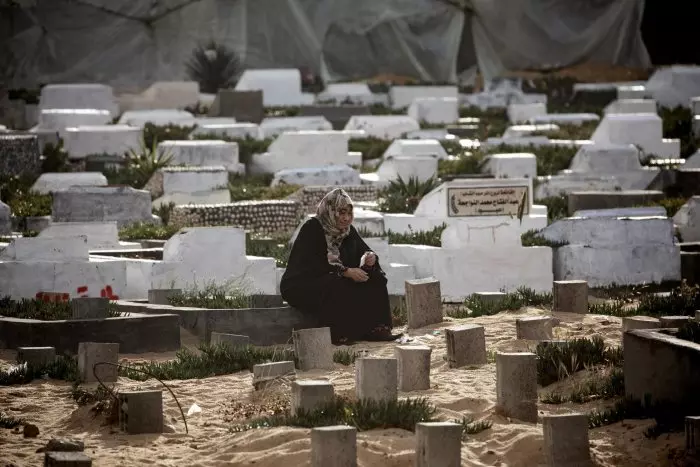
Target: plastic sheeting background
[{"x": 131, "y": 43}]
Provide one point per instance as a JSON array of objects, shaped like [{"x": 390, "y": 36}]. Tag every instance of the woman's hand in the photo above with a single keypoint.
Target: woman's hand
[
  {"x": 370, "y": 259},
  {"x": 356, "y": 274}
]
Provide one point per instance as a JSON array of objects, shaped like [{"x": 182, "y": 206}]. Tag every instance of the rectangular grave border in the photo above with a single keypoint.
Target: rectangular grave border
[
  {"x": 659, "y": 364},
  {"x": 137, "y": 333},
  {"x": 264, "y": 326}
]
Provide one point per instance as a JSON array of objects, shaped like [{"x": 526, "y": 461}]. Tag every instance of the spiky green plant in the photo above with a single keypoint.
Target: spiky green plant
[
  {"x": 404, "y": 196},
  {"x": 145, "y": 161},
  {"x": 214, "y": 66}
]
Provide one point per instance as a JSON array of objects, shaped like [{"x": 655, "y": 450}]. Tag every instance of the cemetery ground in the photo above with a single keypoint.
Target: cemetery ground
[{"x": 239, "y": 425}]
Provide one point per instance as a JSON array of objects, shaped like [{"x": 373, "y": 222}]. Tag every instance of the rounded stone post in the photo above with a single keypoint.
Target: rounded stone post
[
  {"x": 334, "y": 446},
  {"x": 313, "y": 348},
  {"x": 566, "y": 440},
  {"x": 438, "y": 444},
  {"x": 376, "y": 378},
  {"x": 570, "y": 296},
  {"x": 516, "y": 385},
  {"x": 414, "y": 367}
]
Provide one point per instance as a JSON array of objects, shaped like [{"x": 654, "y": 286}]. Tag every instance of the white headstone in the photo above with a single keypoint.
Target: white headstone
[
  {"x": 139, "y": 118},
  {"x": 83, "y": 141},
  {"x": 435, "y": 110},
  {"x": 78, "y": 96},
  {"x": 280, "y": 87},
  {"x": 415, "y": 147},
  {"x": 52, "y": 181},
  {"x": 383, "y": 126},
  {"x": 327, "y": 176}
]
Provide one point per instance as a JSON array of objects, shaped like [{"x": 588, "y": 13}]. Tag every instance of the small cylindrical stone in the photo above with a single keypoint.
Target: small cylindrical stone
[
  {"x": 36, "y": 356},
  {"x": 466, "y": 345},
  {"x": 639, "y": 322},
  {"x": 313, "y": 348},
  {"x": 90, "y": 307},
  {"x": 376, "y": 378},
  {"x": 311, "y": 394},
  {"x": 334, "y": 446},
  {"x": 413, "y": 367},
  {"x": 566, "y": 440},
  {"x": 66, "y": 459},
  {"x": 673, "y": 321},
  {"x": 570, "y": 296},
  {"x": 233, "y": 340},
  {"x": 438, "y": 444},
  {"x": 161, "y": 296},
  {"x": 534, "y": 328},
  {"x": 516, "y": 385}
]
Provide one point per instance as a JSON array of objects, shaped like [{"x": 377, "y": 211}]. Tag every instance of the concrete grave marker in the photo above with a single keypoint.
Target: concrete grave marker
[
  {"x": 571, "y": 296},
  {"x": 376, "y": 378},
  {"x": 516, "y": 385},
  {"x": 141, "y": 411},
  {"x": 423, "y": 302},
  {"x": 36, "y": 356},
  {"x": 313, "y": 348},
  {"x": 244, "y": 106},
  {"x": 414, "y": 367},
  {"x": 90, "y": 353},
  {"x": 49, "y": 182},
  {"x": 535, "y": 328},
  {"x": 438, "y": 444},
  {"x": 280, "y": 87},
  {"x": 466, "y": 345},
  {"x": 309, "y": 395},
  {"x": 123, "y": 204},
  {"x": 566, "y": 440},
  {"x": 334, "y": 446}
]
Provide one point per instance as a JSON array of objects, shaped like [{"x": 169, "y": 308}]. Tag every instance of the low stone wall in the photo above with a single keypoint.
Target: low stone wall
[
  {"x": 266, "y": 217},
  {"x": 310, "y": 196},
  {"x": 660, "y": 365},
  {"x": 135, "y": 334},
  {"x": 264, "y": 326}
]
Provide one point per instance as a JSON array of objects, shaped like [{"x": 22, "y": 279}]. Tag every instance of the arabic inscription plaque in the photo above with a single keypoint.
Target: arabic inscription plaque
[{"x": 487, "y": 201}]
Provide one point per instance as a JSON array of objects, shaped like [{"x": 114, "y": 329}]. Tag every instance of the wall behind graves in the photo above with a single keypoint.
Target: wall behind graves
[
  {"x": 129, "y": 44},
  {"x": 266, "y": 217}
]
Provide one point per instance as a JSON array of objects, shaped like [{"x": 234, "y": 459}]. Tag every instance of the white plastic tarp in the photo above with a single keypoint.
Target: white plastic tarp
[{"x": 132, "y": 43}]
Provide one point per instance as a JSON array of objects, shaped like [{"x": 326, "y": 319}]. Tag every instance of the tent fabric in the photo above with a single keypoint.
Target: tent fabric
[{"x": 129, "y": 44}]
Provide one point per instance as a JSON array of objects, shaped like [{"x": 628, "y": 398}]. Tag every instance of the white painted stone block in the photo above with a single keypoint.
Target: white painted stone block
[
  {"x": 82, "y": 141},
  {"x": 674, "y": 85},
  {"x": 228, "y": 130},
  {"x": 524, "y": 131},
  {"x": 403, "y": 96},
  {"x": 383, "y": 126},
  {"x": 100, "y": 235},
  {"x": 514, "y": 165},
  {"x": 203, "y": 153},
  {"x": 422, "y": 168},
  {"x": 280, "y": 87},
  {"x": 631, "y": 106},
  {"x": 52, "y": 181},
  {"x": 688, "y": 220},
  {"x": 27, "y": 278},
  {"x": 643, "y": 130},
  {"x": 327, "y": 176},
  {"x": 194, "y": 179},
  {"x": 78, "y": 96},
  {"x": 568, "y": 119},
  {"x": 162, "y": 95},
  {"x": 304, "y": 149},
  {"x": 272, "y": 127},
  {"x": 415, "y": 147},
  {"x": 434, "y": 110},
  {"x": 652, "y": 211},
  {"x": 518, "y": 113},
  {"x": 46, "y": 249},
  {"x": 631, "y": 92},
  {"x": 60, "y": 119},
  {"x": 139, "y": 118},
  {"x": 200, "y": 255}
]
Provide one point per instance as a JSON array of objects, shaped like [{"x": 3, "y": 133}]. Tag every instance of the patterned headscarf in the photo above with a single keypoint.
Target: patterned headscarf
[{"x": 327, "y": 213}]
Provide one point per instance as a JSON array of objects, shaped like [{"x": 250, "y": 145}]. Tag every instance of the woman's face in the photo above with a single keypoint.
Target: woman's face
[{"x": 344, "y": 217}]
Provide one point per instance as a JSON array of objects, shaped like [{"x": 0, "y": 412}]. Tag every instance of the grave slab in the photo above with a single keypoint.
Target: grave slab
[
  {"x": 438, "y": 443},
  {"x": 376, "y": 378},
  {"x": 203, "y": 153},
  {"x": 309, "y": 395},
  {"x": 334, "y": 446},
  {"x": 566, "y": 440},
  {"x": 122, "y": 204},
  {"x": 434, "y": 110},
  {"x": 91, "y": 353},
  {"x": 632, "y": 323},
  {"x": 423, "y": 302},
  {"x": 266, "y": 373},
  {"x": 516, "y": 385},
  {"x": 570, "y": 296},
  {"x": 141, "y": 411},
  {"x": 466, "y": 345},
  {"x": 414, "y": 367},
  {"x": 36, "y": 356},
  {"x": 66, "y": 459},
  {"x": 49, "y": 182},
  {"x": 78, "y": 96}
]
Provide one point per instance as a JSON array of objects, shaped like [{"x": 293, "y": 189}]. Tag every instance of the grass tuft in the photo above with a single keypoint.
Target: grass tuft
[
  {"x": 471, "y": 427},
  {"x": 63, "y": 368},
  {"x": 210, "y": 361},
  {"x": 363, "y": 415},
  {"x": 523, "y": 296},
  {"x": 557, "y": 361}
]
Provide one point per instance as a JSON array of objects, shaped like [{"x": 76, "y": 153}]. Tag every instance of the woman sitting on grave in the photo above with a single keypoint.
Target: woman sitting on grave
[{"x": 333, "y": 274}]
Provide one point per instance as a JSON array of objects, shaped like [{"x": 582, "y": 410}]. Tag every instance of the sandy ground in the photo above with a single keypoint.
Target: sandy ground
[{"x": 456, "y": 393}]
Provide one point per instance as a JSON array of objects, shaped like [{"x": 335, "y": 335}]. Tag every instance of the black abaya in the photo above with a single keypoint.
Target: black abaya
[{"x": 351, "y": 309}]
